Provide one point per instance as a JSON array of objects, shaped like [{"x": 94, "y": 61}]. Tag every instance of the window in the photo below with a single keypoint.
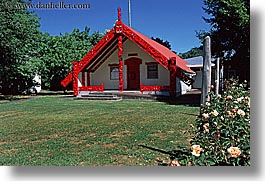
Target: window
[
  {"x": 152, "y": 71},
  {"x": 114, "y": 73}
]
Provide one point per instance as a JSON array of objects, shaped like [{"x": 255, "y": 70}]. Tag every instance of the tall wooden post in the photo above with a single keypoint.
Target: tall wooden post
[
  {"x": 75, "y": 78},
  {"x": 206, "y": 74},
  {"x": 120, "y": 64},
  {"x": 172, "y": 70},
  {"x": 118, "y": 29},
  {"x": 222, "y": 76},
  {"x": 217, "y": 76}
]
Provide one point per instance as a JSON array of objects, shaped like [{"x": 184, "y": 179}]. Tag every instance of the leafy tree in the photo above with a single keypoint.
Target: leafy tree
[
  {"x": 58, "y": 53},
  {"x": 194, "y": 52},
  {"x": 230, "y": 28},
  {"x": 162, "y": 42},
  {"x": 20, "y": 39}
]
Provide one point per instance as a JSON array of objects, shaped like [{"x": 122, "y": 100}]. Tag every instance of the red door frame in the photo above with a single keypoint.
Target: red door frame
[{"x": 133, "y": 73}]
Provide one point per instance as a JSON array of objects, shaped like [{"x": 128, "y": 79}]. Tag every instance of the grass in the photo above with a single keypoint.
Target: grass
[{"x": 60, "y": 131}]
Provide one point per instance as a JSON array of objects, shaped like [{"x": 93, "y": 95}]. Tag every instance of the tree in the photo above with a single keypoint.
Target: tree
[
  {"x": 58, "y": 53},
  {"x": 162, "y": 42},
  {"x": 20, "y": 38},
  {"x": 194, "y": 52},
  {"x": 230, "y": 28}
]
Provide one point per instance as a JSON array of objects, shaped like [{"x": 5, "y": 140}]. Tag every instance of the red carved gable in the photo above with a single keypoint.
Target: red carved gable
[
  {"x": 90, "y": 55},
  {"x": 159, "y": 53}
]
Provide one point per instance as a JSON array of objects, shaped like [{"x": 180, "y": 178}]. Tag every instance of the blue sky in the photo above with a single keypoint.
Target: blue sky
[{"x": 173, "y": 20}]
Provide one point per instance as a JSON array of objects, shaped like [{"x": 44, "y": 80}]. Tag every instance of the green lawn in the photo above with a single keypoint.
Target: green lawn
[{"x": 54, "y": 130}]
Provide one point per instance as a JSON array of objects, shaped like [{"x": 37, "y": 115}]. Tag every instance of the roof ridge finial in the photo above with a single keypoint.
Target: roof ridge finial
[
  {"x": 119, "y": 14},
  {"x": 118, "y": 25}
]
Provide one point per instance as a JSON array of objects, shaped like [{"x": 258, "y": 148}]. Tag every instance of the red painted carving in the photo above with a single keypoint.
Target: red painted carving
[
  {"x": 154, "y": 53},
  {"x": 67, "y": 79},
  {"x": 172, "y": 70},
  {"x": 118, "y": 26},
  {"x": 120, "y": 46},
  {"x": 95, "y": 50},
  {"x": 153, "y": 88},
  {"x": 91, "y": 54},
  {"x": 120, "y": 64},
  {"x": 187, "y": 80},
  {"x": 75, "y": 78},
  {"x": 118, "y": 30},
  {"x": 99, "y": 88},
  {"x": 103, "y": 60},
  {"x": 123, "y": 30},
  {"x": 145, "y": 46}
]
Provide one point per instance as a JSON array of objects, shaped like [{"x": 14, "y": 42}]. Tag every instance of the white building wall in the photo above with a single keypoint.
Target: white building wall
[
  {"x": 181, "y": 87},
  {"x": 102, "y": 74},
  {"x": 198, "y": 80},
  {"x": 163, "y": 74},
  {"x": 80, "y": 79}
]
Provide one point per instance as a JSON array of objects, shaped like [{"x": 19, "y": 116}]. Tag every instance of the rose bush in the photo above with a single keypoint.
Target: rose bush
[{"x": 221, "y": 134}]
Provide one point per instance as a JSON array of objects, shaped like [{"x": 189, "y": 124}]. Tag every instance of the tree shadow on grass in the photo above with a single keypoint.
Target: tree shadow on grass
[{"x": 192, "y": 100}]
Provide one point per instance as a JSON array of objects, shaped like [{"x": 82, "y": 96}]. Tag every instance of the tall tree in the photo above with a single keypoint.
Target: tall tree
[
  {"x": 20, "y": 38},
  {"x": 230, "y": 27}
]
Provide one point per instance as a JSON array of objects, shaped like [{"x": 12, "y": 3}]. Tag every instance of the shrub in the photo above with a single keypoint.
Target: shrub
[{"x": 221, "y": 134}]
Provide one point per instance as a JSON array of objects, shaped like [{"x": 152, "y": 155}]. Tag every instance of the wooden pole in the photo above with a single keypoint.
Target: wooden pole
[
  {"x": 206, "y": 74},
  {"x": 120, "y": 64},
  {"x": 217, "y": 79},
  {"x": 75, "y": 78},
  {"x": 222, "y": 76},
  {"x": 120, "y": 49},
  {"x": 129, "y": 14}
]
